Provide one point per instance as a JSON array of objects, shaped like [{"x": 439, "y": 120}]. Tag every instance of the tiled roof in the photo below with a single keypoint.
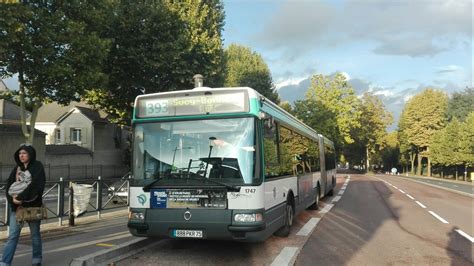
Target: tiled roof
[
  {"x": 65, "y": 149},
  {"x": 53, "y": 111}
]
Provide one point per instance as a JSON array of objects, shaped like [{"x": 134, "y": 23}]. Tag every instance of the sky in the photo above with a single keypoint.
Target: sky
[{"x": 394, "y": 49}]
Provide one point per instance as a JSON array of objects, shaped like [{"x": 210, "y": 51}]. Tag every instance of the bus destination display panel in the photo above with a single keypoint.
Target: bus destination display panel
[{"x": 195, "y": 103}]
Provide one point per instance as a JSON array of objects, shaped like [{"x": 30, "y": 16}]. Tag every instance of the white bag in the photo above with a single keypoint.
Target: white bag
[
  {"x": 82, "y": 196},
  {"x": 23, "y": 179}
]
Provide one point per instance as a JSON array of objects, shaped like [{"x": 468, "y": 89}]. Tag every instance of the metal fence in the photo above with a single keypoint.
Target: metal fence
[
  {"x": 57, "y": 197},
  {"x": 52, "y": 172}
]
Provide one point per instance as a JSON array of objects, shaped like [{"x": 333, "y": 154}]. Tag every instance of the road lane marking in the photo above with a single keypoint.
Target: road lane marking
[
  {"x": 341, "y": 192},
  {"x": 327, "y": 208},
  {"x": 438, "y": 217},
  {"x": 408, "y": 195},
  {"x": 308, "y": 227},
  {"x": 461, "y": 232},
  {"x": 285, "y": 256},
  {"x": 336, "y": 199},
  {"x": 394, "y": 186},
  {"x": 421, "y": 205},
  {"x": 402, "y": 191},
  {"x": 105, "y": 245}
]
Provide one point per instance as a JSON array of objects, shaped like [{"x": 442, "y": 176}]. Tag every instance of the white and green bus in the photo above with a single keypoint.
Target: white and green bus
[{"x": 223, "y": 163}]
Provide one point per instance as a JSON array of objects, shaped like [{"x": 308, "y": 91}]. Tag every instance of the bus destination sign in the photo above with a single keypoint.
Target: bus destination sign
[{"x": 202, "y": 103}]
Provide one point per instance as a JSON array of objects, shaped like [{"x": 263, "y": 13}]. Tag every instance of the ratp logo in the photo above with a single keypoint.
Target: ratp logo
[{"x": 141, "y": 199}]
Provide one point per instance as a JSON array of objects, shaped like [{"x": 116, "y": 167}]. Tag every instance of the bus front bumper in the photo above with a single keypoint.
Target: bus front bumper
[{"x": 211, "y": 223}]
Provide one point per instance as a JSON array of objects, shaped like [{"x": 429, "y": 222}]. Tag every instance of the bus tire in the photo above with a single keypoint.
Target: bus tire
[
  {"x": 284, "y": 231},
  {"x": 315, "y": 205}
]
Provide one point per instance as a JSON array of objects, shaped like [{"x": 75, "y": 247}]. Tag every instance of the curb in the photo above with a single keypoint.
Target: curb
[{"x": 109, "y": 256}]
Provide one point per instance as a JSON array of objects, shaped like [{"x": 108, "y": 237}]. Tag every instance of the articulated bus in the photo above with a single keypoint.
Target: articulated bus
[{"x": 223, "y": 163}]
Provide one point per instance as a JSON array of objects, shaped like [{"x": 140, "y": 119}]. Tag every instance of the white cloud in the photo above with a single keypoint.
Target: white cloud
[
  {"x": 289, "y": 82},
  {"x": 407, "y": 97},
  {"x": 449, "y": 69},
  {"x": 402, "y": 27},
  {"x": 386, "y": 93}
]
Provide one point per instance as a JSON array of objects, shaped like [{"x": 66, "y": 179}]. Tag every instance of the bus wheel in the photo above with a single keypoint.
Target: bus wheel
[
  {"x": 284, "y": 231},
  {"x": 315, "y": 205}
]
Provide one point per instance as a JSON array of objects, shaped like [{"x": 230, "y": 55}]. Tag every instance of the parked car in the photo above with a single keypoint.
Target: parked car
[{"x": 118, "y": 190}]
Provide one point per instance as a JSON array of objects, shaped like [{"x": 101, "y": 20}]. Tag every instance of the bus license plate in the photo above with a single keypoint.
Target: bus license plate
[{"x": 188, "y": 233}]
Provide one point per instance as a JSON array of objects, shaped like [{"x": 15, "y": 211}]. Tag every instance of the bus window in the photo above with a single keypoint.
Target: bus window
[
  {"x": 286, "y": 151},
  {"x": 330, "y": 157},
  {"x": 313, "y": 156},
  {"x": 270, "y": 147}
]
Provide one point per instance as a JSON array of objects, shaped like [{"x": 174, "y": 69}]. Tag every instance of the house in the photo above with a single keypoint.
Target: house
[
  {"x": 11, "y": 135},
  {"x": 80, "y": 135}
]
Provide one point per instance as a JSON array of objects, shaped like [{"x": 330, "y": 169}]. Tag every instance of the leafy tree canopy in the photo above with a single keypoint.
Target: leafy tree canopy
[
  {"x": 461, "y": 104},
  {"x": 247, "y": 68},
  {"x": 54, "y": 54}
]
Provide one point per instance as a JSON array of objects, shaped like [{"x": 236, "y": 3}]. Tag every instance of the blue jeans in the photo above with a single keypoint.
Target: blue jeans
[{"x": 14, "y": 231}]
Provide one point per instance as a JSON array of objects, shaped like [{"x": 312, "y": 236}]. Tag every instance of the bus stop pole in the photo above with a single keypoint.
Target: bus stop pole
[{"x": 99, "y": 197}]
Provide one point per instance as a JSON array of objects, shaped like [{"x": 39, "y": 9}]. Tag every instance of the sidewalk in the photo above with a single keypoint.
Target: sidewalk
[
  {"x": 52, "y": 225},
  {"x": 437, "y": 179}
]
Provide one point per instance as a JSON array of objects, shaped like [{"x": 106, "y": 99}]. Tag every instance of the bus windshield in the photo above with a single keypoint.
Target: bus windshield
[{"x": 218, "y": 149}]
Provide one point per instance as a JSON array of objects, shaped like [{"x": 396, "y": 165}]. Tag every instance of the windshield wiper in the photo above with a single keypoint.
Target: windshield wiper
[{"x": 229, "y": 187}]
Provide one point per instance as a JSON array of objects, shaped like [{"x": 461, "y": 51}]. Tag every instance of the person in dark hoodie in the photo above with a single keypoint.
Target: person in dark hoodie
[{"x": 27, "y": 169}]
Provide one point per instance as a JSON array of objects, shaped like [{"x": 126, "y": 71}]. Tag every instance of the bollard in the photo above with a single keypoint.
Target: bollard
[
  {"x": 71, "y": 205},
  {"x": 99, "y": 197},
  {"x": 61, "y": 201}
]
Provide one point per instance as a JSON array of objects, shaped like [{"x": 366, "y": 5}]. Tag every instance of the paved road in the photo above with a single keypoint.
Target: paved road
[
  {"x": 366, "y": 222},
  {"x": 387, "y": 220}
]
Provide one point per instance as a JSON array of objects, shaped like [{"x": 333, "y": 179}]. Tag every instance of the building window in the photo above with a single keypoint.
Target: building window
[
  {"x": 58, "y": 136},
  {"x": 76, "y": 135}
]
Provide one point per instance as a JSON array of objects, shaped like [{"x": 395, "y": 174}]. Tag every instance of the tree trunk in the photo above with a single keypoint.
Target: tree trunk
[
  {"x": 418, "y": 169},
  {"x": 456, "y": 174},
  {"x": 412, "y": 161},
  {"x": 367, "y": 157},
  {"x": 429, "y": 165},
  {"x": 24, "y": 128},
  {"x": 465, "y": 172}
]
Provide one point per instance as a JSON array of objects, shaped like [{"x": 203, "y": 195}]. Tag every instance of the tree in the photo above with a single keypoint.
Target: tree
[
  {"x": 330, "y": 107},
  {"x": 318, "y": 117},
  {"x": 55, "y": 57},
  {"x": 423, "y": 116},
  {"x": 445, "y": 147},
  {"x": 407, "y": 149},
  {"x": 466, "y": 143},
  {"x": 391, "y": 152},
  {"x": 203, "y": 22},
  {"x": 158, "y": 46},
  {"x": 243, "y": 67},
  {"x": 461, "y": 104},
  {"x": 374, "y": 122}
]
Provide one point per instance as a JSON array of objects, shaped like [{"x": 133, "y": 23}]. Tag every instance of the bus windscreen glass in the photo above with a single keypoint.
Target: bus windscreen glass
[{"x": 219, "y": 149}]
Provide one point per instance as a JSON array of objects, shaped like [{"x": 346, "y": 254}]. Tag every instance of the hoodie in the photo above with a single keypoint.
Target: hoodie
[{"x": 32, "y": 195}]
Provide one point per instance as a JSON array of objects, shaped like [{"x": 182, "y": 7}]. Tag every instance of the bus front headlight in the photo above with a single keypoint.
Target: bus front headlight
[
  {"x": 137, "y": 216},
  {"x": 247, "y": 217}
]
